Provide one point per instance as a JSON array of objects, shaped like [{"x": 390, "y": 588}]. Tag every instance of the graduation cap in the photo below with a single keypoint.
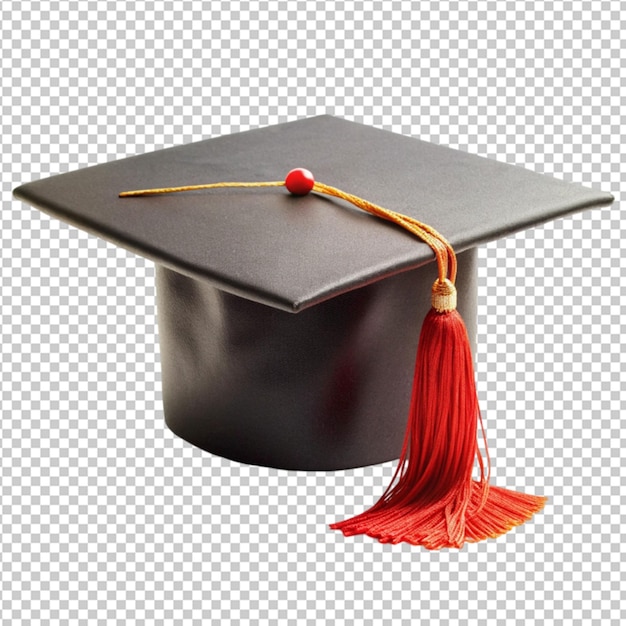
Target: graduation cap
[{"x": 289, "y": 312}]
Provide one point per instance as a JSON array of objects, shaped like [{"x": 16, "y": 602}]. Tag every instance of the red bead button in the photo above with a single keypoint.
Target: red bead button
[{"x": 299, "y": 181}]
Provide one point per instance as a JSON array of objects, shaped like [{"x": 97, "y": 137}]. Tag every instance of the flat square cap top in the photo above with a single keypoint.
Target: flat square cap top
[{"x": 293, "y": 252}]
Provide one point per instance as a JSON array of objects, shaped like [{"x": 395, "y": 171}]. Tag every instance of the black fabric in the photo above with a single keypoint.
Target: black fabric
[
  {"x": 326, "y": 389},
  {"x": 293, "y": 252}
]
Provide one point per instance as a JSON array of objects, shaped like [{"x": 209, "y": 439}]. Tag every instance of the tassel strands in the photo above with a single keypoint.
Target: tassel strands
[{"x": 433, "y": 499}]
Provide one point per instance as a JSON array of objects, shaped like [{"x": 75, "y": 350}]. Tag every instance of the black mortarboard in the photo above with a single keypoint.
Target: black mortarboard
[{"x": 288, "y": 325}]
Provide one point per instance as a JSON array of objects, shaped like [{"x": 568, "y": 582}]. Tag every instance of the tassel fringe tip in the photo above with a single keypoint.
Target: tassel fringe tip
[{"x": 432, "y": 527}]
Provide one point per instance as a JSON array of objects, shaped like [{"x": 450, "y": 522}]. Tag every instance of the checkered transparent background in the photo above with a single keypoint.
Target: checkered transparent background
[{"x": 108, "y": 518}]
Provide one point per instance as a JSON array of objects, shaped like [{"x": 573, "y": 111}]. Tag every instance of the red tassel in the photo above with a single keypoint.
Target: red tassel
[{"x": 433, "y": 500}]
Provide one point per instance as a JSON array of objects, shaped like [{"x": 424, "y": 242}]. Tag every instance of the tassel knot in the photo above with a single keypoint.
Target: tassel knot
[{"x": 443, "y": 296}]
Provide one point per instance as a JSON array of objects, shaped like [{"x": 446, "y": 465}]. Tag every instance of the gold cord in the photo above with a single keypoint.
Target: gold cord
[
  {"x": 161, "y": 190},
  {"x": 443, "y": 293}
]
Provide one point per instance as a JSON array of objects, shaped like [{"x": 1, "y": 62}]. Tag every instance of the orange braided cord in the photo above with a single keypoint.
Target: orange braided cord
[{"x": 444, "y": 253}]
